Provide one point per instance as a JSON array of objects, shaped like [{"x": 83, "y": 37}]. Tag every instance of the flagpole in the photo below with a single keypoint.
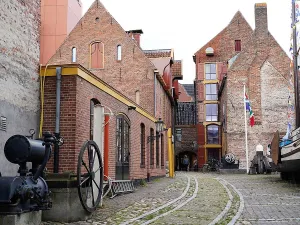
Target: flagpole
[{"x": 246, "y": 132}]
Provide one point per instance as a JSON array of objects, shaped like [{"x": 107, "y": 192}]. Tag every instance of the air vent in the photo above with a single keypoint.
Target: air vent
[{"x": 3, "y": 123}]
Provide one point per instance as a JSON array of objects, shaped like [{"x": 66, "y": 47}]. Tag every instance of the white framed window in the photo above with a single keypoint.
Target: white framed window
[
  {"x": 119, "y": 52},
  {"x": 210, "y": 71},
  {"x": 74, "y": 52}
]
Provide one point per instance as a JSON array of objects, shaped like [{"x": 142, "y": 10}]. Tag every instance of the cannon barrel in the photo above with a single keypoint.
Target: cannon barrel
[{"x": 20, "y": 149}]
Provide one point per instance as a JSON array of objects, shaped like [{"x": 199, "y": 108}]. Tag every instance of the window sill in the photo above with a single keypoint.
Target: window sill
[{"x": 142, "y": 166}]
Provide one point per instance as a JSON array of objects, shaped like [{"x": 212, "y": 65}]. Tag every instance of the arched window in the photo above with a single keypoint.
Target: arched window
[
  {"x": 74, "y": 51},
  {"x": 151, "y": 147},
  {"x": 119, "y": 52},
  {"x": 162, "y": 150},
  {"x": 97, "y": 55},
  {"x": 212, "y": 134},
  {"x": 143, "y": 138},
  {"x": 122, "y": 151},
  {"x": 157, "y": 149},
  {"x": 137, "y": 97}
]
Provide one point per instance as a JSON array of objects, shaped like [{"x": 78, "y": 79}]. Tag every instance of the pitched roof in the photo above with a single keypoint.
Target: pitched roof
[
  {"x": 159, "y": 53},
  {"x": 236, "y": 16},
  {"x": 189, "y": 89}
]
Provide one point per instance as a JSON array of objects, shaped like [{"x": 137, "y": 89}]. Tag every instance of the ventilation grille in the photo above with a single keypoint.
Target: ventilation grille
[{"x": 3, "y": 123}]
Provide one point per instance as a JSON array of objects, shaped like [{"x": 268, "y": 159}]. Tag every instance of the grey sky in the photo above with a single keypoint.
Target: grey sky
[{"x": 188, "y": 25}]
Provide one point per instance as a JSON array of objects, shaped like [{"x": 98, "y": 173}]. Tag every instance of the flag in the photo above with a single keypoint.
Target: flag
[{"x": 248, "y": 109}]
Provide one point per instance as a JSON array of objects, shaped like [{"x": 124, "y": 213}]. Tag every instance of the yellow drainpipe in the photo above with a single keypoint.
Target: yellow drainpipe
[{"x": 170, "y": 153}]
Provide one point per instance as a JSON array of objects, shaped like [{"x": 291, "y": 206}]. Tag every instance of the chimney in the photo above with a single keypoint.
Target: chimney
[
  {"x": 261, "y": 19},
  {"x": 136, "y": 35}
]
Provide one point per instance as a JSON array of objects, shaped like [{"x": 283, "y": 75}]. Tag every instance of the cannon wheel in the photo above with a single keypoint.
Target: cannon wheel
[{"x": 90, "y": 176}]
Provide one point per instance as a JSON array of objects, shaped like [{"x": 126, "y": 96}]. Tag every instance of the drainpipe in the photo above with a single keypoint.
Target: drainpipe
[{"x": 57, "y": 119}]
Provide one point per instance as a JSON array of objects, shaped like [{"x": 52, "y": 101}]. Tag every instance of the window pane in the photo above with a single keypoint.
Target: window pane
[
  {"x": 213, "y": 134},
  {"x": 212, "y": 68},
  {"x": 211, "y": 112},
  {"x": 119, "y": 52},
  {"x": 208, "y": 89},
  {"x": 213, "y": 88},
  {"x": 207, "y": 68},
  {"x": 213, "y": 76}
]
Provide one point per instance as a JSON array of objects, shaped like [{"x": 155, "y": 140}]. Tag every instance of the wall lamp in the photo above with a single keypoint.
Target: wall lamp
[{"x": 159, "y": 124}]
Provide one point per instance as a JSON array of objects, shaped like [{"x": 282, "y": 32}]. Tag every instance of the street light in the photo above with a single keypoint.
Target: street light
[{"x": 159, "y": 124}]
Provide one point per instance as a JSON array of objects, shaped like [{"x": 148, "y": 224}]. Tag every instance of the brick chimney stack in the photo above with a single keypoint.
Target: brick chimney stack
[
  {"x": 261, "y": 19},
  {"x": 136, "y": 35}
]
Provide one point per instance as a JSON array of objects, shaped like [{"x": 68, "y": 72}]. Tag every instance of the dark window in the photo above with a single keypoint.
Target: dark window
[
  {"x": 97, "y": 55},
  {"x": 157, "y": 149},
  {"x": 122, "y": 139},
  {"x": 212, "y": 134},
  {"x": 151, "y": 147},
  {"x": 211, "y": 112},
  {"x": 211, "y": 92},
  {"x": 143, "y": 145},
  {"x": 162, "y": 149},
  {"x": 238, "y": 46},
  {"x": 210, "y": 71}
]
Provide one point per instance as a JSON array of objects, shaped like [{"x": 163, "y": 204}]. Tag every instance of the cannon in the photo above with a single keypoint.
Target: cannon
[{"x": 29, "y": 191}]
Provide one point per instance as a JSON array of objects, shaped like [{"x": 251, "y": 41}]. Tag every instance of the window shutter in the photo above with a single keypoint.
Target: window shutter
[
  {"x": 201, "y": 92},
  {"x": 219, "y": 70},
  {"x": 201, "y": 112},
  {"x": 200, "y": 71}
]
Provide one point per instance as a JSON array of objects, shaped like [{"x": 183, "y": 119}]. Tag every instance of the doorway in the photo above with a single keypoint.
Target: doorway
[
  {"x": 213, "y": 153},
  {"x": 122, "y": 151},
  {"x": 192, "y": 160}
]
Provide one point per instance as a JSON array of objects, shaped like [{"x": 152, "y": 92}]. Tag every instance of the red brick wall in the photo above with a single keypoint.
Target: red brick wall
[
  {"x": 134, "y": 72},
  {"x": 75, "y": 125},
  {"x": 264, "y": 68}
]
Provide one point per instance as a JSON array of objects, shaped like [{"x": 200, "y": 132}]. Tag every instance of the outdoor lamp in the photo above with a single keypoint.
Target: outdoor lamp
[{"x": 159, "y": 124}]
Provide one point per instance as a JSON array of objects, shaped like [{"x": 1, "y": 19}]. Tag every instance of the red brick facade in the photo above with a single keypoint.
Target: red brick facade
[
  {"x": 134, "y": 77},
  {"x": 262, "y": 66}
]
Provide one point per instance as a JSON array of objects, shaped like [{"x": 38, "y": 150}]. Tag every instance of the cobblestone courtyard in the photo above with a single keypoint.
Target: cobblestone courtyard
[{"x": 197, "y": 198}]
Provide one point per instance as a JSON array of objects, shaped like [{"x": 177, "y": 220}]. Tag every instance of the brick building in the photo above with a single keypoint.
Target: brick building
[
  {"x": 185, "y": 126},
  {"x": 19, "y": 65},
  {"x": 103, "y": 65},
  {"x": 237, "y": 56}
]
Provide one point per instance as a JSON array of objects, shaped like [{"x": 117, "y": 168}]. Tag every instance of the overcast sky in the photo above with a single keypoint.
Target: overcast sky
[{"x": 187, "y": 25}]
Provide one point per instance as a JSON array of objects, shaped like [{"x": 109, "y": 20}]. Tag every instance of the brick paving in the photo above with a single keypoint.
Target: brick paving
[{"x": 267, "y": 200}]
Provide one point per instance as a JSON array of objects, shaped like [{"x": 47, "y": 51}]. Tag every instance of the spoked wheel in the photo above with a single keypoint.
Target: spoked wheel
[{"x": 90, "y": 176}]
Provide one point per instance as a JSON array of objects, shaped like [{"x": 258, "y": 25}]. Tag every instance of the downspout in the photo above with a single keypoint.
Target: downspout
[
  {"x": 155, "y": 94},
  {"x": 57, "y": 119}
]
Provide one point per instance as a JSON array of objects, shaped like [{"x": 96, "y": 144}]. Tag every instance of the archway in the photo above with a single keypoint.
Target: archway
[{"x": 192, "y": 156}]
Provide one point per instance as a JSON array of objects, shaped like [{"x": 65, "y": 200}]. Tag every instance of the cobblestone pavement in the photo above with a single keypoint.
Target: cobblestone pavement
[
  {"x": 197, "y": 198},
  {"x": 267, "y": 199}
]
